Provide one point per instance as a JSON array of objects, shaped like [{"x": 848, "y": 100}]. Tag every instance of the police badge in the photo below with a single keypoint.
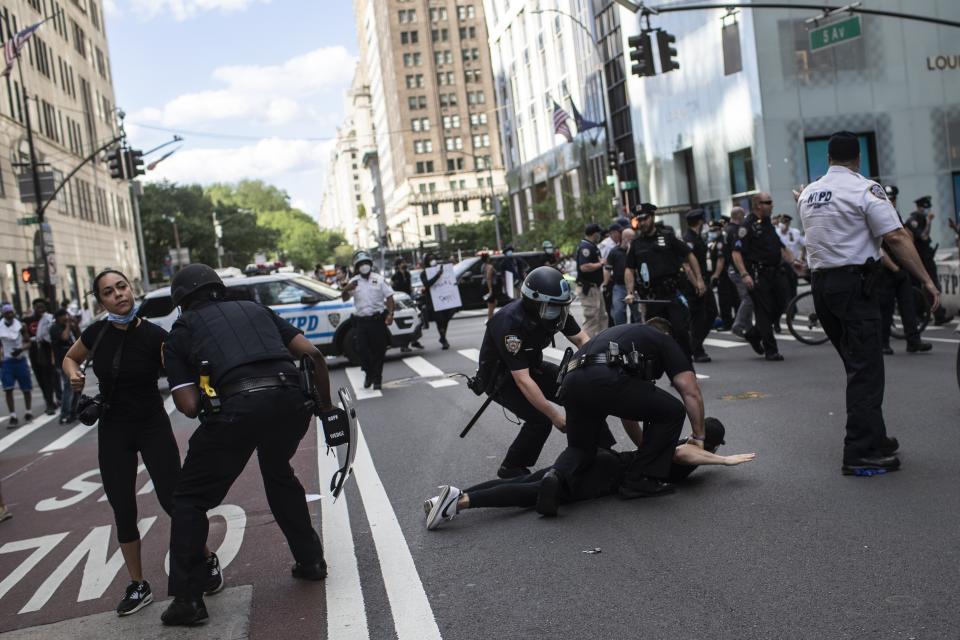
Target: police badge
[
  {"x": 513, "y": 344},
  {"x": 742, "y": 232},
  {"x": 585, "y": 252},
  {"x": 878, "y": 191},
  {"x": 334, "y": 319}
]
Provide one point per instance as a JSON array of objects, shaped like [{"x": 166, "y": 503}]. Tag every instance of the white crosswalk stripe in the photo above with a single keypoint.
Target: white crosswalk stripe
[
  {"x": 723, "y": 344},
  {"x": 426, "y": 370},
  {"x": 473, "y": 354},
  {"x": 69, "y": 438},
  {"x": 355, "y": 375}
]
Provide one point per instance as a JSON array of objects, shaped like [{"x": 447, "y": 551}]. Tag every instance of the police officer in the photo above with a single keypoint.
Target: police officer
[
  {"x": 846, "y": 216},
  {"x": 792, "y": 239},
  {"x": 727, "y": 300},
  {"x": 743, "y": 319},
  {"x": 703, "y": 307},
  {"x": 590, "y": 280},
  {"x": 658, "y": 255},
  {"x": 895, "y": 288},
  {"x": 919, "y": 224},
  {"x": 512, "y": 370},
  {"x": 615, "y": 373},
  {"x": 758, "y": 255},
  {"x": 373, "y": 299},
  {"x": 231, "y": 362},
  {"x": 617, "y": 267}
]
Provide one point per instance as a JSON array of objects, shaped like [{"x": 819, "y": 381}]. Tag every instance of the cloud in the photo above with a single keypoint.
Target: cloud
[
  {"x": 262, "y": 94},
  {"x": 296, "y": 165},
  {"x": 186, "y": 9}
]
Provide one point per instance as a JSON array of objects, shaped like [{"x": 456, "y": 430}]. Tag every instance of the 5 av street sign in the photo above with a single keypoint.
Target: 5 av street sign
[{"x": 835, "y": 33}]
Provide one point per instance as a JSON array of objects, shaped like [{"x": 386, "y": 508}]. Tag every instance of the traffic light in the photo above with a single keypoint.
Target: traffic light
[
  {"x": 29, "y": 275},
  {"x": 134, "y": 163},
  {"x": 667, "y": 52},
  {"x": 115, "y": 162},
  {"x": 612, "y": 160},
  {"x": 642, "y": 54}
]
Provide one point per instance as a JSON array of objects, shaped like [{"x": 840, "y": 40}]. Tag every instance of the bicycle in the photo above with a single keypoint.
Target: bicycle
[{"x": 804, "y": 325}]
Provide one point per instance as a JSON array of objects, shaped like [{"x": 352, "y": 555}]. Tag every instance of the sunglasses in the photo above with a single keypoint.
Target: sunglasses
[{"x": 764, "y": 201}]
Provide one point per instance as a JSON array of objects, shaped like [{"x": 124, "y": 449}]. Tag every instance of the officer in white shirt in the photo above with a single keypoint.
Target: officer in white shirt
[
  {"x": 793, "y": 240},
  {"x": 846, "y": 217},
  {"x": 373, "y": 301}
]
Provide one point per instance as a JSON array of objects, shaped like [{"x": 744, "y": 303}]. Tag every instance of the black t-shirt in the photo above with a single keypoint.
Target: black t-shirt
[
  {"x": 400, "y": 281},
  {"x": 59, "y": 345},
  {"x": 730, "y": 235},
  {"x": 617, "y": 263},
  {"x": 517, "y": 340},
  {"x": 662, "y": 252},
  {"x": 183, "y": 368},
  {"x": 136, "y": 389},
  {"x": 699, "y": 249},
  {"x": 667, "y": 354},
  {"x": 588, "y": 253},
  {"x": 760, "y": 244}
]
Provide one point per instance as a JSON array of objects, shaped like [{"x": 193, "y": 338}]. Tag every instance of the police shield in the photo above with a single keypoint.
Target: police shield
[{"x": 340, "y": 431}]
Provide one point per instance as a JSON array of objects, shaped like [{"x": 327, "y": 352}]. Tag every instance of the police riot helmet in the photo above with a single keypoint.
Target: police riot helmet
[
  {"x": 192, "y": 278},
  {"x": 361, "y": 256},
  {"x": 547, "y": 296}
]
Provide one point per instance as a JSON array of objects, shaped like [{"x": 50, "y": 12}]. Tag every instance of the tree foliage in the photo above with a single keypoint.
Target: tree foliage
[{"x": 566, "y": 234}]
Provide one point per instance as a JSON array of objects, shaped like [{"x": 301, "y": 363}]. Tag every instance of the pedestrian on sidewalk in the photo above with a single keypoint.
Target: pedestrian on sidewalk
[
  {"x": 14, "y": 370},
  {"x": 63, "y": 333},
  {"x": 126, "y": 355}
]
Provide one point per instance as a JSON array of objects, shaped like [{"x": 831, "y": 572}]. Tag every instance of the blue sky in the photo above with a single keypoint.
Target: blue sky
[{"x": 266, "y": 75}]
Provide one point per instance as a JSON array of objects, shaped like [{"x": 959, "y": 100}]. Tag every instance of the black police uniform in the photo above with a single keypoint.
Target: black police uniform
[
  {"x": 593, "y": 391},
  {"x": 617, "y": 264},
  {"x": 703, "y": 309},
  {"x": 761, "y": 250},
  {"x": 896, "y": 289},
  {"x": 727, "y": 300},
  {"x": 588, "y": 253},
  {"x": 514, "y": 341},
  {"x": 262, "y": 409},
  {"x": 916, "y": 225},
  {"x": 663, "y": 254}
]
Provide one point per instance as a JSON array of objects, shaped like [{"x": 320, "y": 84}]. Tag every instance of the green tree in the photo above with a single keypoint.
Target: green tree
[
  {"x": 566, "y": 234},
  {"x": 299, "y": 239},
  {"x": 242, "y": 236},
  {"x": 255, "y": 195},
  {"x": 165, "y": 204}
]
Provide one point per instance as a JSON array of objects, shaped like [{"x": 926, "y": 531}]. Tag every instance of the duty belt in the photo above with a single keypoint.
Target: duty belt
[
  {"x": 259, "y": 384},
  {"x": 607, "y": 359}
]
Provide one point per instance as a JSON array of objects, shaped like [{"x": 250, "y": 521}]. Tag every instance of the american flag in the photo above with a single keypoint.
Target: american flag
[
  {"x": 560, "y": 118},
  {"x": 12, "y": 47}
]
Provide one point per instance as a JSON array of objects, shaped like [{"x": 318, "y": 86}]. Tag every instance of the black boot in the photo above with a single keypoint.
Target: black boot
[
  {"x": 316, "y": 571},
  {"x": 184, "y": 612}
]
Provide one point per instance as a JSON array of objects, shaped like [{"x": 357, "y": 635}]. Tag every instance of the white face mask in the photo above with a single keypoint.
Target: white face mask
[
  {"x": 364, "y": 269},
  {"x": 433, "y": 263}
]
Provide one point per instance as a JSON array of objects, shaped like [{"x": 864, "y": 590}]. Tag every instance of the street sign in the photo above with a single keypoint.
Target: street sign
[
  {"x": 835, "y": 33},
  {"x": 28, "y": 220},
  {"x": 629, "y": 184}
]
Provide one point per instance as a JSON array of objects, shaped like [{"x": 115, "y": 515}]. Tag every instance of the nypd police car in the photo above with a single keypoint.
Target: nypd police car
[{"x": 311, "y": 306}]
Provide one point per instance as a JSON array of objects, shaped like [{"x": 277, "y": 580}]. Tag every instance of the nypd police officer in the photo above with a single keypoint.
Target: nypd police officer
[
  {"x": 758, "y": 255},
  {"x": 658, "y": 255},
  {"x": 590, "y": 280},
  {"x": 919, "y": 224},
  {"x": 231, "y": 362},
  {"x": 512, "y": 370},
  {"x": 373, "y": 299},
  {"x": 846, "y": 217},
  {"x": 703, "y": 307}
]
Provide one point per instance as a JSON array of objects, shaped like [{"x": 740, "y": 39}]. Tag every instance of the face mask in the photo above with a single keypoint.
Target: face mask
[
  {"x": 509, "y": 253},
  {"x": 784, "y": 226},
  {"x": 433, "y": 263},
  {"x": 364, "y": 269},
  {"x": 125, "y": 319}
]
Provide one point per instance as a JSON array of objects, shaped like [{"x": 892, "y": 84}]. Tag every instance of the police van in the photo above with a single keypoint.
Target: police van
[{"x": 311, "y": 306}]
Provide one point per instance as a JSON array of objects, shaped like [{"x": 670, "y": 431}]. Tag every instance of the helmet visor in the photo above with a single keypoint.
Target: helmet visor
[{"x": 554, "y": 313}]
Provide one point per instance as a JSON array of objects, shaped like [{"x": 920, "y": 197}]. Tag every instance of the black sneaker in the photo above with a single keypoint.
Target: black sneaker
[
  {"x": 215, "y": 580},
  {"x": 890, "y": 446},
  {"x": 377, "y": 385},
  {"x": 918, "y": 346},
  {"x": 701, "y": 356},
  {"x": 444, "y": 345},
  {"x": 137, "y": 596},
  {"x": 316, "y": 571},
  {"x": 548, "y": 497},
  {"x": 184, "y": 612},
  {"x": 367, "y": 382},
  {"x": 14, "y": 423},
  {"x": 505, "y": 473},
  {"x": 870, "y": 465},
  {"x": 773, "y": 356},
  {"x": 27, "y": 417},
  {"x": 416, "y": 345},
  {"x": 755, "y": 341},
  {"x": 50, "y": 410}
]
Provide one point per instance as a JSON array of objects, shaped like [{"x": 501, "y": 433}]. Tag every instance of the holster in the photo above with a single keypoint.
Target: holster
[{"x": 869, "y": 275}]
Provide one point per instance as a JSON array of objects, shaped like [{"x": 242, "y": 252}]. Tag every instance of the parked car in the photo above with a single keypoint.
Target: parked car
[
  {"x": 470, "y": 278},
  {"x": 309, "y": 305}
]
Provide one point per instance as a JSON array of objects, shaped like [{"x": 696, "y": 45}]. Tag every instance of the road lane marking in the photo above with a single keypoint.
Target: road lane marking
[
  {"x": 69, "y": 438},
  {"x": 355, "y": 375},
  {"x": 553, "y": 354},
  {"x": 43, "y": 546},
  {"x": 426, "y": 370},
  {"x": 412, "y": 615},
  {"x": 723, "y": 344},
  {"x": 473, "y": 354},
  {"x": 346, "y": 612},
  {"x": 22, "y": 432}
]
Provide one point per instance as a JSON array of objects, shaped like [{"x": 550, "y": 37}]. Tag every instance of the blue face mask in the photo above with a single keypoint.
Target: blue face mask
[
  {"x": 127, "y": 319},
  {"x": 509, "y": 253}
]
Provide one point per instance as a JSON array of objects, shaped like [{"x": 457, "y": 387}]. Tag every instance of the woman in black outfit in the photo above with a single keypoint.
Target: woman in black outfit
[
  {"x": 442, "y": 318},
  {"x": 133, "y": 420}
]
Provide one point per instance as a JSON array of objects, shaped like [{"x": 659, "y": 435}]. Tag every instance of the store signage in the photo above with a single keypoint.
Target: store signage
[{"x": 942, "y": 63}]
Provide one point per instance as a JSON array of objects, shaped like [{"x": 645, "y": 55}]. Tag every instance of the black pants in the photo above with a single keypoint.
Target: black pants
[
  {"x": 442, "y": 318},
  {"x": 770, "y": 295},
  {"x": 727, "y": 299},
  {"x": 595, "y": 392},
  {"x": 371, "y": 343},
  {"x": 897, "y": 288},
  {"x": 119, "y": 440},
  {"x": 851, "y": 319},
  {"x": 703, "y": 311},
  {"x": 677, "y": 314},
  {"x": 270, "y": 422},
  {"x": 528, "y": 444},
  {"x": 40, "y": 362}
]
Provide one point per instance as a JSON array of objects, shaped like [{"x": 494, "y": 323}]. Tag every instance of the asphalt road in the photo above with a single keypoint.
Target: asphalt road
[{"x": 783, "y": 547}]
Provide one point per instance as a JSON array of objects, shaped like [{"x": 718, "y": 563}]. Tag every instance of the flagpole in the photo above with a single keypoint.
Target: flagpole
[{"x": 35, "y": 169}]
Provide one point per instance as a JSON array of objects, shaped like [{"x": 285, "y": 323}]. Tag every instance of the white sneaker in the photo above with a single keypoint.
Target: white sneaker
[
  {"x": 428, "y": 504},
  {"x": 445, "y": 508}
]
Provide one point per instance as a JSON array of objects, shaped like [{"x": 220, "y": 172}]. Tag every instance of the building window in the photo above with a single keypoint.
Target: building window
[
  {"x": 409, "y": 37},
  {"x": 476, "y": 97},
  {"x": 443, "y": 57},
  {"x": 407, "y": 15},
  {"x": 451, "y": 122},
  {"x": 481, "y": 140},
  {"x": 466, "y": 12},
  {"x": 816, "y": 149},
  {"x": 467, "y": 33},
  {"x": 455, "y": 164},
  {"x": 411, "y": 59},
  {"x": 470, "y": 54},
  {"x": 478, "y": 119},
  {"x": 482, "y": 162},
  {"x": 453, "y": 144},
  {"x": 438, "y": 13},
  {"x": 427, "y": 230},
  {"x": 440, "y": 35},
  {"x": 425, "y": 167},
  {"x": 435, "y": 208},
  {"x": 741, "y": 171},
  {"x": 448, "y": 99},
  {"x": 423, "y": 146},
  {"x": 415, "y": 81},
  {"x": 417, "y": 102}
]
